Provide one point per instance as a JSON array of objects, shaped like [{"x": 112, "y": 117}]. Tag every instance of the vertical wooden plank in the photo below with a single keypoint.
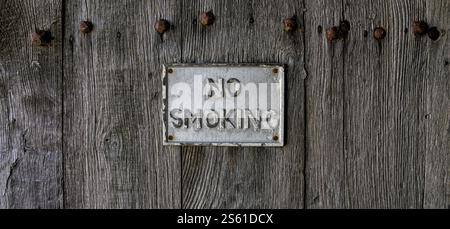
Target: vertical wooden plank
[
  {"x": 437, "y": 89},
  {"x": 30, "y": 106},
  {"x": 112, "y": 133},
  {"x": 384, "y": 97},
  {"x": 324, "y": 106},
  {"x": 247, "y": 32}
]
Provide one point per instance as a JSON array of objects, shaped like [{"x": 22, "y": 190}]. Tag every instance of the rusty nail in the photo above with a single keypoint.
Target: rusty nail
[
  {"x": 434, "y": 33},
  {"x": 379, "y": 33},
  {"x": 86, "y": 27},
  {"x": 162, "y": 26},
  {"x": 335, "y": 32},
  {"x": 170, "y": 138},
  {"x": 275, "y": 70},
  {"x": 332, "y": 33},
  {"x": 420, "y": 28},
  {"x": 207, "y": 18},
  {"x": 41, "y": 38},
  {"x": 170, "y": 70},
  {"x": 276, "y": 138},
  {"x": 290, "y": 24}
]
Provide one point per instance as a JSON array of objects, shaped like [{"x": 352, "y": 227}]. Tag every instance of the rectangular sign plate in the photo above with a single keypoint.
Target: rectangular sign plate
[{"x": 223, "y": 105}]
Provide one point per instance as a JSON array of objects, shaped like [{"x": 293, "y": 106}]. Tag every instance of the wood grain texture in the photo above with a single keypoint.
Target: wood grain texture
[
  {"x": 367, "y": 122},
  {"x": 385, "y": 101},
  {"x": 247, "y": 32},
  {"x": 30, "y": 106},
  {"x": 324, "y": 106},
  {"x": 373, "y": 145},
  {"x": 112, "y": 129},
  {"x": 437, "y": 118},
  {"x": 396, "y": 153}
]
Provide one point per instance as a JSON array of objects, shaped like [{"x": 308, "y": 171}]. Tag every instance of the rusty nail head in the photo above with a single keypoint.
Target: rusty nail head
[
  {"x": 207, "y": 18},
  {"x": 332, "y": 33},
  {"x": 379, "y": 33},
  {"x": 276, "y": 138},
  {"x": 420, "y": 28},
  {"x": 41, "y": 38},
  {"x": 275, "y": 70},
  {"x": 433, "y": 33},
  {"x": 336, "y": 32},
  {"x": 86, "y": 27},
  {"x": 170, "y": 137},
  {"x": 170, "y": 70},
  {"x": 290, "y": 24},
  {"x": 162, "y": 26}
]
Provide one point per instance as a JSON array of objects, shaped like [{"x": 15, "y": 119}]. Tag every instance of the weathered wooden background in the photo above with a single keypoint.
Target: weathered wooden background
[{"x": 367, "y": 121}]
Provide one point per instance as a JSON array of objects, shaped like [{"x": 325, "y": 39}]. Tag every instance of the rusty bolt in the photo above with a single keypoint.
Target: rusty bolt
[
  {"x": 420, "y": 28},
  {"x": 41, "y": 38},
  {"x": 162, "y": 26},
  {"x": 207, "y": 18},
  {"x": 433, "y": 33},
  {"x": 332, "y": 33},
  {"x": 335, "y": 32},
  {"x": 275, "y": 70},
  {"x": 379, "y": 33},
  {"x": 290, "y": 24},
  {"x": 86, "y": 27}
]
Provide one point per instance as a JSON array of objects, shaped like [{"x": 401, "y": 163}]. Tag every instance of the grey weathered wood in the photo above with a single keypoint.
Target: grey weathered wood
[
  {"x": 247, "y": 32},
  {"x": 368, "y": 122},
  {"x": 436, "y": 193},
  {"x": 396, "y": 152},
  {"x": 384, "y": 106},
  {"x": 30, "y": 106},
  {"x": 324, "y": 107},
  {"x": 373, "y": 144},
  {"x": 112, "y": 129}
]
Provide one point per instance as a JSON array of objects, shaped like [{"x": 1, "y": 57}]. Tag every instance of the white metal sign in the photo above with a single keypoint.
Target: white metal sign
[{"x": 223, "y": 105}]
